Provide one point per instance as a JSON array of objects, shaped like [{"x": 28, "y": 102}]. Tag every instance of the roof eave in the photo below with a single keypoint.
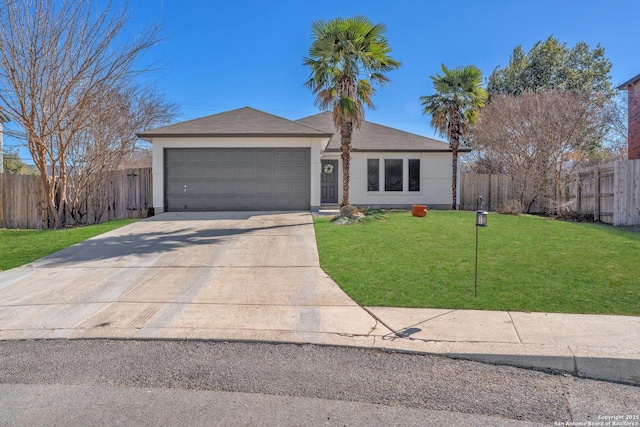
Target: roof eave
[
  {"x": 628, "y": 83},
  {"x": 149, "y": 136},
  {"x": 402, "y": 150}
]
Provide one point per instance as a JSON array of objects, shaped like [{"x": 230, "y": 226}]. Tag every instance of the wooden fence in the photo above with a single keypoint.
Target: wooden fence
[
  {"x": 626, "y": 189},
  {"x": 591, "y": 191},
  {"x": 19, "y": 202},
  {"x": 610, "y": 192},
  {"x": 128, "y": 194},
  {"x": 496, "y": 190}
]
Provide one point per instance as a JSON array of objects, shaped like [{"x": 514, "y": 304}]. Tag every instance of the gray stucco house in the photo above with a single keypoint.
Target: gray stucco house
[{"x": 247, "y": 159}]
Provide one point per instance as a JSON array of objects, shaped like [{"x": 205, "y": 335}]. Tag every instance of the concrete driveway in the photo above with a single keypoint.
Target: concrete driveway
[{"x": 231, "y": 275}]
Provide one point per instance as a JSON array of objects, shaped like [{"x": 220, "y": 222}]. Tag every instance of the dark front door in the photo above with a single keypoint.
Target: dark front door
[{"x": 329, "y": 182}]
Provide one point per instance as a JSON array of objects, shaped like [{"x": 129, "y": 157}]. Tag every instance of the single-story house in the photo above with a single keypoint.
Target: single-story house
[{"x": 247, "y": 159}]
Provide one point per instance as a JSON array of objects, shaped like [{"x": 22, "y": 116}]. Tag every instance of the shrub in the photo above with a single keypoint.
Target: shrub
[
  {"x": 363, "y": 216},
  {"x": 511, "y": 207}
]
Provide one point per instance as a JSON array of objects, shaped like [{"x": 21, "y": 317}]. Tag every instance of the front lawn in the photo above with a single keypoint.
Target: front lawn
[
  {"x": 19, "y": 247},
  {"x": 525, "y": 263}
]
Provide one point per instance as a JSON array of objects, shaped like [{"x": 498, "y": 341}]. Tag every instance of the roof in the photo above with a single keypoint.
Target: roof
[
  {"x": 628, "y": 83},
  {"x": 374, "y": 137},
  {"x": 247, "y": 122}
]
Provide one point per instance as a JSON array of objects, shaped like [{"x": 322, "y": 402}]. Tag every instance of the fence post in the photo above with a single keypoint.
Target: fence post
[
  {"x": 489, "y": 194},
  {"x": 617, "y": 209}
]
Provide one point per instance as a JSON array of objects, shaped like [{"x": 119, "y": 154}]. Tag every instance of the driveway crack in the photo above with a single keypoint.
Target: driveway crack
[
  {"x": 378, "y": 321},
  {"x": 514, "y": 327}
]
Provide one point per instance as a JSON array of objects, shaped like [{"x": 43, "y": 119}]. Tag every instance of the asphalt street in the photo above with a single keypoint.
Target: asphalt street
[{"x": 99, "y": 382}]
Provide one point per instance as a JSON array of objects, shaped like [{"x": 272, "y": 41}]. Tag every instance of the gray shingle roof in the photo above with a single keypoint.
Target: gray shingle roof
[
  {"x": 245, "y": 121},
  {"x": 249, "y": 122},
  {"x": 375, "y": 137}
]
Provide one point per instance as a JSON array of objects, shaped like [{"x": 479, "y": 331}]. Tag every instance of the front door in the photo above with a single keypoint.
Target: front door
[{"x": 329, "y": 182}]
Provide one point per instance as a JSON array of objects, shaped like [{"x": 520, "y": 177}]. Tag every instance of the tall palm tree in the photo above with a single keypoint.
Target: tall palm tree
[
  {"x": 454, "y": 108},
  {"x": 347, "y": 57}
]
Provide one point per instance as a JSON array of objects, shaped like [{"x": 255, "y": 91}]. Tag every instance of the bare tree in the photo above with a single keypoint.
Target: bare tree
[
  {"x": 3, "y": 119},
  {"x": 616, "y": 139},
  {"x": 138, "y": 159},
  {"x": 104, "y": 144},
  {"x": 56, "y": 59},
  {"x": 537, "y": 138}
]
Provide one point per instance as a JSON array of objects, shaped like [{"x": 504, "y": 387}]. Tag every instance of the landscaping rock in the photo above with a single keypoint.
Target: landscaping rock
[
  {"x": 348, "y": 211},
  {"x": 341, "y": 221}
]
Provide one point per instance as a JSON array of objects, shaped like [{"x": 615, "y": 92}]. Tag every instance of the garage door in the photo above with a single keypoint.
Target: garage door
[{"x": 215, "y": 179}]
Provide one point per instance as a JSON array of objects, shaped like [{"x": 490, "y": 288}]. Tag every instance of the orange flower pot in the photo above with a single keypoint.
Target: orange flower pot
[{"x": 418, "y": 210}]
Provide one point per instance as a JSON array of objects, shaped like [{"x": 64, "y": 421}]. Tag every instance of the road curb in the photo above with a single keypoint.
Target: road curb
[
  {"x": 585, "y": 362},
  {"x": 591, "y": 363}
]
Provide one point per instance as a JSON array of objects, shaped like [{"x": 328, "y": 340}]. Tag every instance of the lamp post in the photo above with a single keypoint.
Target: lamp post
[{"x": 481, "y": 221}]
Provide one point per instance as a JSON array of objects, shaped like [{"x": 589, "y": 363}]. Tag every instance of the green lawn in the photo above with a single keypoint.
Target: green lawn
[
  {"x": 19, "y": 247},
  {"x": 526, "y": 263}
]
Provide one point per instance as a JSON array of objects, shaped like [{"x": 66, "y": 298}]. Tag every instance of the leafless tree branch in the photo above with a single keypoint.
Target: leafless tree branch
[
  {"x": 60, "y": 62},
  {"x": 537, "y": 139}
]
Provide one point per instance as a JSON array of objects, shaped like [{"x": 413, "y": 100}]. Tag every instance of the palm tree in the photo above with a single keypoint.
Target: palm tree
[
  {"x": 347, "y": 57},
  {"x": 454, "y": 108}
]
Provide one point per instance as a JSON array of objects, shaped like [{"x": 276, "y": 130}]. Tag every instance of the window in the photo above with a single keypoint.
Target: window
[
  {"x": 414, "y": 174},
  {"x": 373, "y": 175},
  {"x": 393, "y": 175}
]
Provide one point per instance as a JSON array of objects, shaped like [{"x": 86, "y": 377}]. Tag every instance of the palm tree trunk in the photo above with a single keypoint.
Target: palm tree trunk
[
  {"x": 346, "y": 130},
  {"x": 454, "y": 144},
  {"x": 454, "y": 175}
]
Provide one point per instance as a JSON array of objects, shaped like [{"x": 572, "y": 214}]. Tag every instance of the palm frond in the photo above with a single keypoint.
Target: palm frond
[
  {"x": 457, "y": 100},
  {"x": 343, "y": 49}
]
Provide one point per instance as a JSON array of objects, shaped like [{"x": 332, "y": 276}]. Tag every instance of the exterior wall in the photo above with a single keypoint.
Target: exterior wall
[
  {"x": 160, "y": 144},
  {"x": 634, "y": 120},
  {"x": 435, "y": 181},
  {"x": 316, "y": 152}
]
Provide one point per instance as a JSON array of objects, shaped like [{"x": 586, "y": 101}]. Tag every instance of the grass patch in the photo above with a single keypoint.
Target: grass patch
[
  {"x": 525, "y": 263},
  {"x": 19, "y": 247}
]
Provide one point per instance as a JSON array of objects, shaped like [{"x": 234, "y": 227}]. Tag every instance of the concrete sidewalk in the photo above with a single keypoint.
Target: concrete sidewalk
[
  {"x": 593, "y": 346},
  {"x": 256, "y": 277}
]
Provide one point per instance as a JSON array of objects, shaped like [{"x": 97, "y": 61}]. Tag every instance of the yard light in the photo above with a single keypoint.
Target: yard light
[
  {"x": 481, "y": 221},
  {"x": 481, "y": 218}
]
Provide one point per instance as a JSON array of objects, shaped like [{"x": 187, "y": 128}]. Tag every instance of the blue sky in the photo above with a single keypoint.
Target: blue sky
[{"x": 221, "y": 55}]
